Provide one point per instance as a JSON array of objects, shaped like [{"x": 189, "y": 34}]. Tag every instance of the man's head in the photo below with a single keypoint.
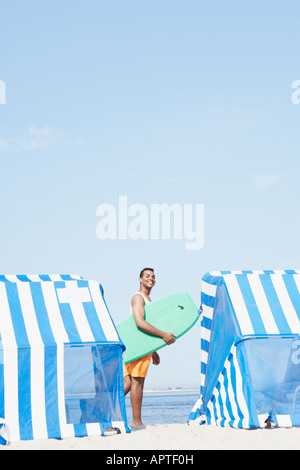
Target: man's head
[{"x": 147, "y": 278}]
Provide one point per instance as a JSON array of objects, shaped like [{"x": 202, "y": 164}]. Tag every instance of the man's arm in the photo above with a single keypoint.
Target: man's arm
[{"x": 138, "y": 311}]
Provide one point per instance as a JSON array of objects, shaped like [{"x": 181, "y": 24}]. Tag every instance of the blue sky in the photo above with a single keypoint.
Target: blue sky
[{"x": 167, "y": 101}]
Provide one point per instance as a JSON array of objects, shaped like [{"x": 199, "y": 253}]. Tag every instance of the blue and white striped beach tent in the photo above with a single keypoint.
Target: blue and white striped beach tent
[
  {"x": 61, "y": 372},
  {"x": 250, "y": 349}
]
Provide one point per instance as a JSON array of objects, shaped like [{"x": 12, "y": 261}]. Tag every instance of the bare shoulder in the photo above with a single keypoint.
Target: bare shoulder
[{"x": 137, "y": 299}]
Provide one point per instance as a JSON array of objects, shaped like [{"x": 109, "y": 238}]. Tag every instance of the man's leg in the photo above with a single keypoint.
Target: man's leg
[
  {"x": 136, "y": 398},
  {"x": 127, "y": 384}
]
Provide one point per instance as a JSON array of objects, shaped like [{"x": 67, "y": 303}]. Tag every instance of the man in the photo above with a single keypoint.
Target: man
[{"x": 135, "y": 372}]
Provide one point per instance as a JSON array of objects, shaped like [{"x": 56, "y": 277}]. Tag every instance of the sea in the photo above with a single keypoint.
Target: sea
[{"x": 165, "y": 406}]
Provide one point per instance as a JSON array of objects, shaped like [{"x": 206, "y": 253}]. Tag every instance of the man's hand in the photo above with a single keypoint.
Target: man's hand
[
  {"x": 155, "y": 358},
  {"x": 169, "y": 338},
  {"x": 137, "y": 303}
]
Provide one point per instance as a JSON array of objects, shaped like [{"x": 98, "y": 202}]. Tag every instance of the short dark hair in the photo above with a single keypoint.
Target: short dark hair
[{"x": 146, "y": 269}]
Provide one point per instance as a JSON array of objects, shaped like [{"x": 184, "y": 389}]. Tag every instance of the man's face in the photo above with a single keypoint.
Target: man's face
[{"x": 148, "y": 279}]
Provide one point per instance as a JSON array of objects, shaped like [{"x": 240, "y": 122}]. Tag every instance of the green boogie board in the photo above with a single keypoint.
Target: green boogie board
[{"x": 174, "y": 313}]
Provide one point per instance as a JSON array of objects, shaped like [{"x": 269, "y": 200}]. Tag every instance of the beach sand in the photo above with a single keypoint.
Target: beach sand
[{"x": 175, "y": 437}]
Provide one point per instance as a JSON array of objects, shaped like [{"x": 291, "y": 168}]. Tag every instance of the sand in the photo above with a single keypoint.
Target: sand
[{"x": 175, "y": 437}]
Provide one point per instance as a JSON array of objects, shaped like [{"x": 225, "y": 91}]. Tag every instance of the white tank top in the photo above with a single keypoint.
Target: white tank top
[{"x": 145, "y": 299}]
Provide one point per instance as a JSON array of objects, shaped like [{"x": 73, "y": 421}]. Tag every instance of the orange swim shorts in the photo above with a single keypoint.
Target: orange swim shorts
[{"x": 138, "y": 368}]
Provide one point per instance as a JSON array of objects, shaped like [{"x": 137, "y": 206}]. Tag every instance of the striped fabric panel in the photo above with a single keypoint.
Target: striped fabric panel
[
  {"x": 266, "y": 303},
  {"x": 267, "y": 271},
  {"x": 74, "y": 310},
  {"x": 208, "y": 296},
  {"x": 37, "y": 319},
  {"x": 38, "y": 277},
  {"x": 227, "y": 405},
  {"x": 197, "y": 415}
]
